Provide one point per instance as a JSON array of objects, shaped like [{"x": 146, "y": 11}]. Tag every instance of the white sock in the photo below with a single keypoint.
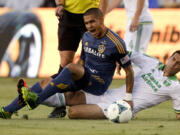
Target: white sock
[{"x": 56, "y": 100}]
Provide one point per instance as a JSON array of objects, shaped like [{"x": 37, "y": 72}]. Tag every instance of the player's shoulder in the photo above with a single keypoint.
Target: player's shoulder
[
  {"x": 86, "y": 36},
  {"x": 114, "y": 37},
  {"x": 111, "y": 33}
]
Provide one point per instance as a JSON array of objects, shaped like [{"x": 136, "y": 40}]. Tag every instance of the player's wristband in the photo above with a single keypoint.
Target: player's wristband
[
  {"x": 60, "y": 4},
  {"x": 128, "y": 97}
]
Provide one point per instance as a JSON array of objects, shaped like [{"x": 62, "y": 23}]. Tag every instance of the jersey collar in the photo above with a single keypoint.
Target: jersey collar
[{"x": 161, "y": 66}]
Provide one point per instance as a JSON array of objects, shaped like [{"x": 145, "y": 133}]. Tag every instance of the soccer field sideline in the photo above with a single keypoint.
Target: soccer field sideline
[{"x": 159, "y": 120}]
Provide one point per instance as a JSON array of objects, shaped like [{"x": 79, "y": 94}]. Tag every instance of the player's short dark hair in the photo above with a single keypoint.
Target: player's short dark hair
[
  {"x": 178, "y": 52},
  {"x": 94, "y": 11}
]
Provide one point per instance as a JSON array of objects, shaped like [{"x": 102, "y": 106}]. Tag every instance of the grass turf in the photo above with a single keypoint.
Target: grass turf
[{"x": 159, "y": 120}]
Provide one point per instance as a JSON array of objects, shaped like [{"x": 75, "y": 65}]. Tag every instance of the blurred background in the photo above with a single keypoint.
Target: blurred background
[{"x": 28, "y": 35}]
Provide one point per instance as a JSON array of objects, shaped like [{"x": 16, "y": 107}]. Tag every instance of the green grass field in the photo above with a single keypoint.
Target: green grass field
[{"x": 159, "y": 120}]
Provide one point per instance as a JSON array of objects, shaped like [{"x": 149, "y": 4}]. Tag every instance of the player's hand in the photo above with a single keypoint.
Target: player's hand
[
  {"x": 178, "y": 116},
  {"x": 59, "y": 11},
  {"x": 134, "y": 25},
  {"x": 130, "y": 103},
  {"x": 118, "y": 69}
]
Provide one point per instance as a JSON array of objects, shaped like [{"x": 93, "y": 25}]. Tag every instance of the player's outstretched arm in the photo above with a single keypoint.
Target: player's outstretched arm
[
  {"x": 129, "y": 84},
  {"x": 88, "y": 111}
]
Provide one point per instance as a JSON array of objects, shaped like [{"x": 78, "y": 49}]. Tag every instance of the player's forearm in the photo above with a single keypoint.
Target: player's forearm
[
  {"x": 140, "y": 6},
  {"x": 114, "y": 4},
  {"x": 60, "y": 2},
  {"x": 103, "y": 5},
  {"x": 129, "y": 79}
]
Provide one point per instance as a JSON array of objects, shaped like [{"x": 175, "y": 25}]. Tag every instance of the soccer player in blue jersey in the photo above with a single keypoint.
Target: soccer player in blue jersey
[{"x": 101, "y": 49}]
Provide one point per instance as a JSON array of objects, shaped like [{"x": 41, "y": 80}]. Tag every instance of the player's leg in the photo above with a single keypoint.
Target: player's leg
[
  {"x": 70, "y": 30},
  {"x": 139, "y": 40},
  {"x": 75, "y": 98},
  {"x": 66, "y": 57},
  {"x": 146, "y": 34},
  {"x": 128, "y": 37},
  {"x": 4, "y": 114},
  {"x": 57, "y": 100},
  {"x": 18, "y": 102},
  {"x": 86, "y": 112},
  {"x": 60, "y": 100},
  {"x": 69, "y": 39},
  {"x": 65, "y": 81}
]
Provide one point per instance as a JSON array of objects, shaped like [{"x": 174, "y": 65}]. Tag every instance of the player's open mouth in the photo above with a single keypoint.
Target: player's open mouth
[{"x": 92, "y": 31}]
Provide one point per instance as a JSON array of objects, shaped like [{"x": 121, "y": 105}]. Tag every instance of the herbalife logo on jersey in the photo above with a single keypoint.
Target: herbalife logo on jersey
[{"x": 98, "y": 53}]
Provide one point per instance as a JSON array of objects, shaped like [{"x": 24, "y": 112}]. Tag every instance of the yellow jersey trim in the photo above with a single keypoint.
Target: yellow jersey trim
[{"x": 116, "y": 41}]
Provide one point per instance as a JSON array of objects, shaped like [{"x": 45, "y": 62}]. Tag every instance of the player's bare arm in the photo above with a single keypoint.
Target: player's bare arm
[
  {"x": 118, "y": 69},
  {"x": 103, "y": 5},
  {"x": 114, "y": 4},
  {"x": 88, "y": 111},
  {"x": 135, "y": 22},
  {"x": 59, "y": 8},
  {"x": 129, "y": 84}
]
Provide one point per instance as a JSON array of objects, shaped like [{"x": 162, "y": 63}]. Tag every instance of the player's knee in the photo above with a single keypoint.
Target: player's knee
[
  {"x": 70, "y": 66},
  {"x": 72, "y": 113},
  {"x": 43, "y": 83}
]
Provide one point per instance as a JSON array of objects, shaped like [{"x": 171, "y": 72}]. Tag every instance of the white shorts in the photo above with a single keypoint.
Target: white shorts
[
  {"x": 107, "y": 98},
  {"x": 139, "y": 40}
]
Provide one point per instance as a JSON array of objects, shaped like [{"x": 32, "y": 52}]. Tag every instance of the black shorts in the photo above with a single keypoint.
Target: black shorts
[{"x": 70, "y": 30}]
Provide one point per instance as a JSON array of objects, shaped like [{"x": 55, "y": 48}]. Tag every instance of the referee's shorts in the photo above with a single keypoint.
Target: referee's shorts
[{"x": 70, "y": 30}]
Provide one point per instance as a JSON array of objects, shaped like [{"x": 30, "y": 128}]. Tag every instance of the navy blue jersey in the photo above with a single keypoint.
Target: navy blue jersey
[{"x": 100, "y": 56}]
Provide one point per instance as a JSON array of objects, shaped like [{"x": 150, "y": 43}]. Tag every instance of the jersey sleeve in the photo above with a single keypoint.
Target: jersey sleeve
[
  {"x": 142, "y": 60},
  {"x": 124, "y": 60},
  {"x": 121, "y": 53}
]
